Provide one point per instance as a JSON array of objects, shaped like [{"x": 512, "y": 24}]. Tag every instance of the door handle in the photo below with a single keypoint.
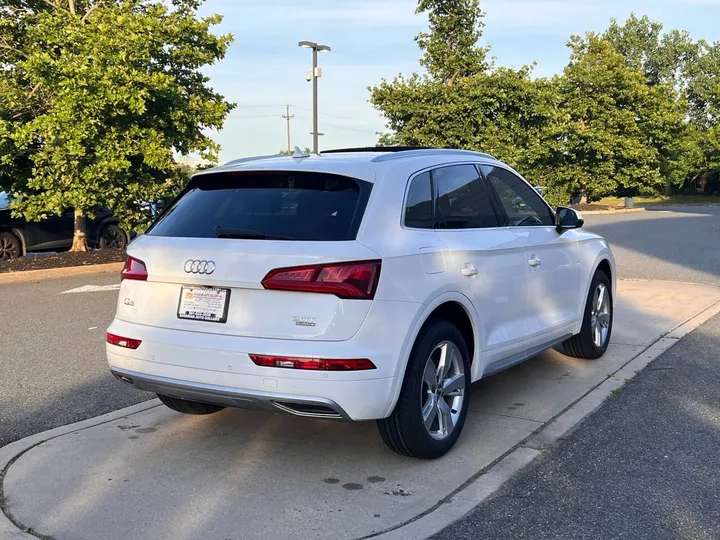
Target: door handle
[
  {"x": 534, "y": 261},
  {"x": 469, "y": 270}
]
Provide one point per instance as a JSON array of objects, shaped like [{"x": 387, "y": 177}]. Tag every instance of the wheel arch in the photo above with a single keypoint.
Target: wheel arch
[
  {"x": 604, "y": 262},
  {"x": 457, "y": 309}
]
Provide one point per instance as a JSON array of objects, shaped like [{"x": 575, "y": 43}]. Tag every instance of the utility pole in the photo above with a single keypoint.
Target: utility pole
[
  {"x": 316, "y": 130},
  {"x": 287, "y": 116},
  {"x": 314, "y": 77}
]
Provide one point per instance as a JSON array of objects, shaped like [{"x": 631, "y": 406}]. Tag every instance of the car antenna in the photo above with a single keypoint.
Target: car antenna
[{"x": 299, "y": 154}]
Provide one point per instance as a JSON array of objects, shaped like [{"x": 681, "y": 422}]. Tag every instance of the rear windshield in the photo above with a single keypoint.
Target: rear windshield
[{"x": 274, "y": 205}]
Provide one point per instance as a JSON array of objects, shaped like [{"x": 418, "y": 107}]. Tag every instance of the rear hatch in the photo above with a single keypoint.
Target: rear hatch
[{"x": 261, "y": 254}]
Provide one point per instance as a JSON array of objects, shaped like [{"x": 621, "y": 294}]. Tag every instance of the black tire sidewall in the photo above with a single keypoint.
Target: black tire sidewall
[{"x": 409, "y": 406}]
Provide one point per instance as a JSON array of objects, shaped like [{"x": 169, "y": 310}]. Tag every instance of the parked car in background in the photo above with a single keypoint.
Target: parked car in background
[
  {"x": 371, "y": 284},
  {"x": 18, "y": 236}
]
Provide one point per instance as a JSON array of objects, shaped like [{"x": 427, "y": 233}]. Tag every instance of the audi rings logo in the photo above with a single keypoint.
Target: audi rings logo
[{"x": 199, "y": 267}]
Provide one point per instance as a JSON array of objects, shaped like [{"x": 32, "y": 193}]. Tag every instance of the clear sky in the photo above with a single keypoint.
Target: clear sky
[{"x": 264, "y": 69}]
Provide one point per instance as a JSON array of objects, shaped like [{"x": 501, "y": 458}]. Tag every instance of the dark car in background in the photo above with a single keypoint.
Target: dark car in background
[{"x": 19, "y": 237}]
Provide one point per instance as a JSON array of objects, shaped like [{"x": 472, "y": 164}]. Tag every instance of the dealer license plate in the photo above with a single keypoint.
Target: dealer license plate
[{"x": 208, "y": 304}]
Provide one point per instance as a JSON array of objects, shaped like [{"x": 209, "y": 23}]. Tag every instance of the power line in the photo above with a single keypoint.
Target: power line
[
  {"x": 338, "y": 126},
  {"x": 338, "y": 116}
]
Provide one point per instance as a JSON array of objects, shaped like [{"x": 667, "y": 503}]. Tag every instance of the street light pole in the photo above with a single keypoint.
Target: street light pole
[
  {"x": 316, "y": 130},
  {"x": 315, "y": 74}
]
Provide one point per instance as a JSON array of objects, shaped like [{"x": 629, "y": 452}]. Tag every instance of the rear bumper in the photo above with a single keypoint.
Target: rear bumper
[
  {"x": 313, "y": 407},
  {"x": 217, "y": 368}
]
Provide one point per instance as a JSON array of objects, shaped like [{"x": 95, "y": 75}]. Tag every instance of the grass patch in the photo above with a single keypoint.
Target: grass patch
[{"x": 661, "y": 199}]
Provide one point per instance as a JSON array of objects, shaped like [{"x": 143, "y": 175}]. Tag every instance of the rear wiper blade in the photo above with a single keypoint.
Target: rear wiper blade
[{"x": 224, "y": 232}]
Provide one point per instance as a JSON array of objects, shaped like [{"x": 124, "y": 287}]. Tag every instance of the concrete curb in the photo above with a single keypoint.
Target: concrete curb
[
  {"x": 456, "y": 504},
  {"x": 618, "y": 211},
  {"x": 10, "y": 453},
  {"x": 55, "y": 273},
  {"x": 472, "y": 493}
]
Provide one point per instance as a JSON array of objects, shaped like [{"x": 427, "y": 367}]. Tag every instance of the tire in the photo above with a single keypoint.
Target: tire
[
  {"x": 405, "y": 431},
  {"x": 189, "y": 407},
  {"x": 585, "y": 344},
  {"x": 112, "y": 237},
  {"x": 10, "y": 246}
]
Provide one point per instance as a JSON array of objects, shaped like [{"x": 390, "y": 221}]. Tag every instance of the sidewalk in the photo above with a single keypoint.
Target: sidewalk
[
  {"x": 645, "y": 466},
  {"x": 150, "y": 473}
]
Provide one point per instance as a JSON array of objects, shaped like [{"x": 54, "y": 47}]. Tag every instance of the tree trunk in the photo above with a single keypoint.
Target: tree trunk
[{"x": 80, "y": 235}]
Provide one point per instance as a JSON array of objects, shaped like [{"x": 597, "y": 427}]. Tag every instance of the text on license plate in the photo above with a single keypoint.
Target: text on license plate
[{"x": 204, "y": 304}]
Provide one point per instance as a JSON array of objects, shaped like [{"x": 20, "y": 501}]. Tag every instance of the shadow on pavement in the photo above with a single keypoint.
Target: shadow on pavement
[
  {"x": 644, "y": 466},
  {"x": 93, "y": 397},
  {"x": 648, "y": 236}
]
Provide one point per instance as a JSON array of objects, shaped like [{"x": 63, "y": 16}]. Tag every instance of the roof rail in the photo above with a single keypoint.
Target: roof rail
[
  {"x": 374, "y": 149},
  {"x": 394, "y": 152},
  {"x": 429, "y": 152}
]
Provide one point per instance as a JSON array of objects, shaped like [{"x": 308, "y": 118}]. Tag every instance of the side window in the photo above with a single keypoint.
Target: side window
[
  {"x": 522, "y": 204},
  {"x": 463, "y": 200},
  {"x": 418, "y": 206}
]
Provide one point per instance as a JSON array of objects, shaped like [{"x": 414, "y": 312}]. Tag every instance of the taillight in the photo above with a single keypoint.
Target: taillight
[
  {"x": 134, "y": 269},
  {"x": 356, "y": 280},
  {"x": 318, "y": 364},
  {"x": 127, "y": 343}
]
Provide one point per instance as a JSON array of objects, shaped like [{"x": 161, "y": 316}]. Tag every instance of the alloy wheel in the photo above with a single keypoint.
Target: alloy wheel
[
  {"x": 8, "y": 248},
  {"x": 600, "y": 315},
  {"x": 443, "y": 390},
  {"x": 113, "y": 238}
]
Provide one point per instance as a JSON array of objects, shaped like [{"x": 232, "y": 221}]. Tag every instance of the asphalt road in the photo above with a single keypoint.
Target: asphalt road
[
  {"x": 644, "y": 466},
  {"x": 678, "y": 243},
  {"x": 52, "y": 356},
  {"x": 52, "y": 363}
]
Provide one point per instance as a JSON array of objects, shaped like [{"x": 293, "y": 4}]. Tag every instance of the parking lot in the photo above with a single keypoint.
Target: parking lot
[{"x": 325, "y": 479}]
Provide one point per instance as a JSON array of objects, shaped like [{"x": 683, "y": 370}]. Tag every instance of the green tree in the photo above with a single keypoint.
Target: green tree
[
  {"x": 612, "y": 125},
  {"x": 704, "y": 98},
  {"x": 461, "y": 101},
  {"x": 662, "y": 57},
  {"x": 665, "y": 58},
  {"x": 450, "y": 48},
  {"x": 307, "y": 150},
  {"x": 96, "y": 99}
]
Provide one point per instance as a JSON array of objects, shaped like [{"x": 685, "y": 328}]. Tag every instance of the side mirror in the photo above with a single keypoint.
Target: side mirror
[{"x": 568, "y": 218}]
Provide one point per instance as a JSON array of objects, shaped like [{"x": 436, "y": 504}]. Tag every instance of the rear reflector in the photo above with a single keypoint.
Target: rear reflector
[
  {"x": 353, "y": 280},
  {"x": 134, "y": 269},
  {"x": 317, "y": 364},
  {"x": 124, "y": 342}
]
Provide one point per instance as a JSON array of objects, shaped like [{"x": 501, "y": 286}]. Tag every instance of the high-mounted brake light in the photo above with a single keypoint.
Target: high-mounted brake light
[
  {"x": 134, "y": 269},
  {"x": 318, "y": 364},
  {"x": 352, "y": 280},
  {"x": 127, "y": 343}
]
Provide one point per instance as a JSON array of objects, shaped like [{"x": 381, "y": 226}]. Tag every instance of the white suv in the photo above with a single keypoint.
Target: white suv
[{"x": 367, "y": 284}]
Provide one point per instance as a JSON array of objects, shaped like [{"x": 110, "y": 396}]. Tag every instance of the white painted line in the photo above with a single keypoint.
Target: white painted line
[{"x": 93, "y": 288}]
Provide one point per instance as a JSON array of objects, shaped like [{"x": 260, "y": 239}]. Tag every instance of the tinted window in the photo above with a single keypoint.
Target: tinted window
[
  {"x": 418, "y": 206},
  {"x": 3, "y": 200},
  {"x": 522, "y": 204},
  {"x": 293, "y": 206},
  {"x": 463, "y": 201}
]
